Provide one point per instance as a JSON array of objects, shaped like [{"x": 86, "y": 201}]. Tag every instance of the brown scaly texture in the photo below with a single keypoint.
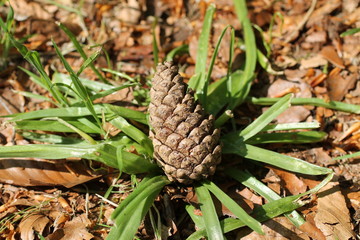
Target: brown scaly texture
[{"x": 185, "y": 141}]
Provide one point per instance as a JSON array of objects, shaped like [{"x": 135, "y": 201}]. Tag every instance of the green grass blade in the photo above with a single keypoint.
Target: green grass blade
[
  {"x": 126, "y": 113},
  {"x": 350, "y": 32},
  {"x": 353, "y": 155},
  {"x": 197, "y": 219},
  {"x": 129, "y": 214},
  {"x": 216, "y": 99},
  {"x": 90, "y": 124},
  {"x": 233, "y": 206},
  {"x": 274, "y": 158},
  {"x": 134, "y": 133},
  {"x": 242, "y": 91},
  {"x": 46, "y": 151},
  {"x": 177, "y": 51},
  {"x": 291, "y": 137},
  {"x": 84, "y": 135},
  {"x": 259, "y": 124},
  {"x": 128, "y": 227},
  {"x": 54, "y": 126},
  {"x": 55, "y": 112},
  {"x": 103, "y": 152},
  {"x": 265, "y": 118},
  {"x": 89, "y": 61},
  {"x": 238, "y": 88},
  {"x": 335, "y": 105},
  {"x": 119, "y": 74},
  {"x": 198, "y": 81},
  {"x": 211, "y": 220},
  {"x": 35, "y": 96},
  {"x": 291, "y": 126},
  {"x": 51, "y": 138},
  {"x": 81, "y": 90},
  {"x": 92, "y": 86},
  {"x": 212, "y": 62},
  {"x": 110, "y": 91},
  {"x": 80, "y": 50},
  {"x": 266, "y": 65},
  {"x": 75, "y": 112},
  {"x": 144, "y": 189}
]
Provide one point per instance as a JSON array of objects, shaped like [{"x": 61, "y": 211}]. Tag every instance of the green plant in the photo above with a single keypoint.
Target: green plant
[{"x": 76, "y": 113}]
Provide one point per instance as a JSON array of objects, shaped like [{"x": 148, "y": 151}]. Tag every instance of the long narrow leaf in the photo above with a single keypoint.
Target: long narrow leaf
[
  {"x": 54, "y": 126},
  {"x": 233, "y": 206},
  {"x": 291, "y": 126},
  {"x": 134, "y": 133},
  {"x": 275, "y": 159},
  {"x": 81, "y": 112},
  {"x": 265, "y": 118},
  {"x": 81, "y": 90},
  {"x": 198, "y": 81},
  {"x": 145, "y": 188},
  {"x": 340, "y": 106},
  {"x": 211, "y": 220},
  {"x": 290, "y": 137},
  {"x": 242, "y": 91},
  {"x": 126, "y": 229},
  {"x": 80, "y": 50},
  {"x": 212, "y": 62}
]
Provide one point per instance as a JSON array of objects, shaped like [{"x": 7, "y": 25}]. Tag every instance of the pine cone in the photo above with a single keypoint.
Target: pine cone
[{"x": 185, "y": 141}]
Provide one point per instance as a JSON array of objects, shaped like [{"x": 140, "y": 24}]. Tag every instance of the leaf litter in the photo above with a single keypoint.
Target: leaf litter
[{"x": 305, "y": 42}]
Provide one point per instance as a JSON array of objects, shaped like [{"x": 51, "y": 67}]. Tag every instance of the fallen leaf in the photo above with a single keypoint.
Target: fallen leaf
[
  {"x": 290, "y": 181},
  {"x": 313, "y": 62},
  {"x": 329, "y": 53},
  {"x": 28, "y": 226},
  {"x": 339, "y": 85},
  {"x": 39, "y": 172},
  {"x": 333, "y": 217},
  {"x": 76, "y": 229},
  {"x": 293, "y": 115}
]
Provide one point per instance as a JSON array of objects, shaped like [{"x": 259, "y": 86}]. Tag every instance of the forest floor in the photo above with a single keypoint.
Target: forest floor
[{"x": 308, "y": 56}]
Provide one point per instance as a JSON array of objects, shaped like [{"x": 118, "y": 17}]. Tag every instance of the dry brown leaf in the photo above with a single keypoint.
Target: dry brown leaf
[
  {"x": 313, "y": 62},
  {"x": 24, "y": 9},
  {"x": 76, "y": 229},
  {"x": 339, "y": 85},
  {"x": 322, "y": 11},
  {"x": 332, "y": 217},
  {"x": 312, "y": 231},
  {"x": 293, "y": 115},
  {"x": 329, "y": 53},
  {"x": 291, "y": 182},
  {"x": 39, "y": 172},
  {"x": 28, "y": 226}
]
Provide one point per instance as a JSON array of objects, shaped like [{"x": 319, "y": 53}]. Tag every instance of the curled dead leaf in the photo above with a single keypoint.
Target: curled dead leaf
[{"x": 40, "y": 172}]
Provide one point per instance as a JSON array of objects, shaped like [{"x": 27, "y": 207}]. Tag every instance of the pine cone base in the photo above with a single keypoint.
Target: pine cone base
[{"x": 186, "y": 145}]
